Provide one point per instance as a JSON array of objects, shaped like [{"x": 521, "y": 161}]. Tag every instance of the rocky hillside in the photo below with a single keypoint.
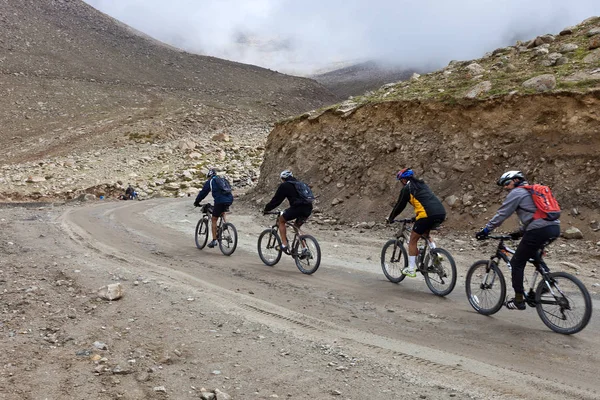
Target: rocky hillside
[
  {"x": 359, "y": 78},
  {"x": 88, "y": 101},
  {"x": 551, "y": 131}
]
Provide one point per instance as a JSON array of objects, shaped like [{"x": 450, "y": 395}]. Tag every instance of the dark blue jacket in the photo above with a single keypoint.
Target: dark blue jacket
[{"x": 216, "y": 193}]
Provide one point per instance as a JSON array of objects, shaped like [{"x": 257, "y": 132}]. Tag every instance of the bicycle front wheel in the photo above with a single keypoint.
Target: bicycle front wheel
[
  {"x": 307, "y": 254},
  {"x": 228, "y": 239},
  {"x": 201, "y": 233},
  {"x": 486, "y": 287},
  {"x": 563, "y": 303},
  {"x": 393, "y": 260},
  {"x": 440, "y": 272},
  {"x": 269, "y": 247}
]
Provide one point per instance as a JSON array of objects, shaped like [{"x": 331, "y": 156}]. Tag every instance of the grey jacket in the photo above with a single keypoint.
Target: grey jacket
[{"x": 519, "y": 200}]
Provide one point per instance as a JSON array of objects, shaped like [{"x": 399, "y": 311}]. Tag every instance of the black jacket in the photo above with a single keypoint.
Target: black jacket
[
  {"x": 417, "y": 193},
  {"x": 286, "y": 190}
]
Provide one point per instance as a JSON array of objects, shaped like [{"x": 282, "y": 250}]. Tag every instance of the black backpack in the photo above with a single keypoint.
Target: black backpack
[
  {"x": 222, "y": 185},
  {"x": 305, "y": 195}
]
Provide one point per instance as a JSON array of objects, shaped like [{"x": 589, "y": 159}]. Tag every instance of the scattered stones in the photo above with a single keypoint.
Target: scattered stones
[
  {"x": 541, "y": 83},
  {"x": 572, "y": 233},
  {"x": 111, "y": 292},
  {"x": 100, "y": 346}
]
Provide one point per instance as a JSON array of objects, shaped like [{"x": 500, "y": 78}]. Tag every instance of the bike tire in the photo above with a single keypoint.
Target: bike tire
[
  {"x": 546, "y": 303},
  {"x": 228, "y": 239},
  {"x": 492, "y": 286},
  {"x": 392, "y": 267},
  {"x": 271, "y": 253},
  {"x": 201, "y": 233},
  {"x": 307, "y": 262},
  {"x": 436, "y": 274}
]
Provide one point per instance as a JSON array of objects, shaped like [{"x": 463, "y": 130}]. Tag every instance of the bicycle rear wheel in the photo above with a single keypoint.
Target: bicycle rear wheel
[
  {"x": 486, "y": 287},
  {"x": 201, "y": 233},
  {"x": 228, "y": 239},
  {"x": 307, "y": 254},
  {"x": 269, "y": 247},
  {"x": 440, "y": 272},
  {"x": 393, "y": 260},
  {"x": 563, "y": 303}
]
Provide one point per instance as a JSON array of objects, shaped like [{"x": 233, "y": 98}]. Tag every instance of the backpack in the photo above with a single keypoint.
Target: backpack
[
  {"x": 222, "y": 185},
  {"x": 546, "y": 204},
  {"x": 305, "y": 195}
]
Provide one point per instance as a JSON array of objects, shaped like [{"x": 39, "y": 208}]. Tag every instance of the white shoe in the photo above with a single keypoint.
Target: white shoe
[{"x": 410, "y": 272}]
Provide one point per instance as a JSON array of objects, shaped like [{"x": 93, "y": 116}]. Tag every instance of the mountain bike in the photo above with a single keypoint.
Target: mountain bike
[
  {"x": 561, "y": 300},
  {"x": 435, "y": 264},
  {"x": 226, "y": 232},
  {"x": 304, "y": 249}
]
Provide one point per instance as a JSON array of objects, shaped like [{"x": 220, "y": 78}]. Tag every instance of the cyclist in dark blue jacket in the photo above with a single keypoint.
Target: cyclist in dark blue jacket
[{"x": 222, "y": 201}]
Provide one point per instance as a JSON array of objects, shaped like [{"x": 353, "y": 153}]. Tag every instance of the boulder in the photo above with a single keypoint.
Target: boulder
[
  {"x": 568, "y": 47},
  {"x": 594, "y": 42},
  {"x": 221, "y": 137},
  {"x": 567, "y": 31},
  {"x": 540, "y": 52},
  {"x": 540, "y": 40},
  {"x": 475, "y": 69},
  {"x": 479, "y": 89},
  {"x": 195, "y": 155},
  {"x": 593, "y": 57},
  {"x": 451, "y": 200},
  {"x": 593, "y": 32},
  {"x": 35, "y": 179},
  {"x": 572, "y": 233},
  {"x": 415, "y": 76},
  {"x": 541, "y": 83}
]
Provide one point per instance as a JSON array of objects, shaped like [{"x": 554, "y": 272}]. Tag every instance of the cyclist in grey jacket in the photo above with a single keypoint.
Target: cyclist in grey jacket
[{"x": 536, "y": 232}]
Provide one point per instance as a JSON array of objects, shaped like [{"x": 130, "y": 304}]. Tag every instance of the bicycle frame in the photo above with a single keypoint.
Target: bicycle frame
[
  {"x": 502, "y": 252},
  {"x": 292, "y": 225},
  {"x": 403, "y": 235},
  {"x": 207, "y": 210}
]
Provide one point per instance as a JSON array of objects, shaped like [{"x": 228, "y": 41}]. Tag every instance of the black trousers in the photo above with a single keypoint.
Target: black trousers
[{"x": 531, "y": 242}]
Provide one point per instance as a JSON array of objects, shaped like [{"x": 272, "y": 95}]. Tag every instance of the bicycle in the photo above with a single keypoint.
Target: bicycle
[
  {"x": 226, "y": 232},
  {"x": 554, "y": 297},
  {"x": 304, "y": 249},
  {"x": 440, "y": 278}
]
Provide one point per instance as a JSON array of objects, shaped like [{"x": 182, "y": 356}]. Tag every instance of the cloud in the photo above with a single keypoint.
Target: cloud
[{"x": 301, "y": 37}]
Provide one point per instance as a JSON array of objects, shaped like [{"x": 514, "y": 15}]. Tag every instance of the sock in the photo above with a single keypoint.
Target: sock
[
  {"x": 519, "y": 297},
  {"x": 412, "y": 262},
  {"x": 432, "y": 245}
]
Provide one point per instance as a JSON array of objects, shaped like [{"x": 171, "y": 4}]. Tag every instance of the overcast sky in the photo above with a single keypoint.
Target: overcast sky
[{"x": 304, "y": 36}]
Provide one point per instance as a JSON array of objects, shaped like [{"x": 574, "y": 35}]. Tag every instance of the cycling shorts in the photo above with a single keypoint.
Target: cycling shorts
[
  {"x": 220, "y": 208},
  {"x": 424, "y": 225},
  {"x": 298, "y": 213}
]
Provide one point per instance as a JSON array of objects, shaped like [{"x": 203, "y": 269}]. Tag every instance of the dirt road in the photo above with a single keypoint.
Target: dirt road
[{"x": 191, "y": 319}]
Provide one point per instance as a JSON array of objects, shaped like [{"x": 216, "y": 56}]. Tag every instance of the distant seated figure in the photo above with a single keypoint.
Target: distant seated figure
[{"x": 129, "y": 193}]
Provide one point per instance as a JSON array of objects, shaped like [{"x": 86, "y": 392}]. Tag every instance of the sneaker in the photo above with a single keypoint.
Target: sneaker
[
  {"x": 410, "y": 272},
  {"x": 285, "y": 249},
  {"x": 304, "y": 254},
  {"x": 512, "y": 304},
  {"x": 212, "y": 244}
]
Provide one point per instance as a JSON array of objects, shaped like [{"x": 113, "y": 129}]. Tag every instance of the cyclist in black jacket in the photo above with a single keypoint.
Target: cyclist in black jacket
[
  {"x": 430, "y": 213},
  {"x": 298, "y": 210}
]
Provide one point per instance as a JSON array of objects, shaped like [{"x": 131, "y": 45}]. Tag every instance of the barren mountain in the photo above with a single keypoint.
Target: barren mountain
[
  {"x": 359, "y": 78},
  {"x": 533, "y": 106}
]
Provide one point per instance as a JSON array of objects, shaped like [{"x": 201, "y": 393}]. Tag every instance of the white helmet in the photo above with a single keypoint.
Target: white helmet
[
  {"x": 285, "y": 174},
  {"x": 509, "y": 176}
]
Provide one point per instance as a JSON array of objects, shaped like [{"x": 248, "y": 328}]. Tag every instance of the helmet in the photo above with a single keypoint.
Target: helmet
[
  {"x": 211, "y": 172},
  {"x": 405, "y": 174},
  {"x": 285, "y": 174},
  {"x": 508, "y": 176}
]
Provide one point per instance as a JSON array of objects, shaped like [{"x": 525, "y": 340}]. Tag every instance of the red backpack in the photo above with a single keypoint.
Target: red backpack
[{"x": 546, "y": 204}]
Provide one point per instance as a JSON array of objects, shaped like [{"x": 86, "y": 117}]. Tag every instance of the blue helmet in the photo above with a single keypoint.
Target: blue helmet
[{"x": 405, "y": 174}]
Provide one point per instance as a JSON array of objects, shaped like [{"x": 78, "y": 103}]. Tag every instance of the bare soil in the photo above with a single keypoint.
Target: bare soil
[{"x": 192, "y": 319}]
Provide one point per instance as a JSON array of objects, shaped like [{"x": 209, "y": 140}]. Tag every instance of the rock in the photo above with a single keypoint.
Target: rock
[
  {"x": 541, "y": 83},
  {"x": 467, "y": 199},
  {"x": 475, "y": 69},
  {"x": 553, "y": 57},
  {"x": 567, "y": 31},
  {"x": 160, "y": 389},
  {"x": 479, "y": 89},
  {"x": 572, "y": 233},
  {"x": 561, "y": 61},
  {"x": 451, "y": 200},
  {"x": 568, "y": 47},
  {"x": 35, "y": 179},
  {"x": 111, "y": 292},
  {"x": 593, "y": 57},
  {"x": 540, "y": 40},
  {"x": 415, "y": 76},
  {"x": 594, "y": 43},
  {"x": 571, "y": 265},
  {"x": 221, "y": 137},
  {"x": 186, "y": 144},
  {"x": 221, "y": 395},
  {"x": 459, "y": 167},
  {"x": 85, "y": 197},
  {"x": 206, "y": 395},
  {"x": 336, "y": 201},
  {"x": 540, "y": 52},
  {"x": 195, "y": 155},
  {"x": 347, "y": 107},
  {"x": 595, "y": 225},
  {"x": 593, "y": 32},
  {"x": 100, "y": 345}
]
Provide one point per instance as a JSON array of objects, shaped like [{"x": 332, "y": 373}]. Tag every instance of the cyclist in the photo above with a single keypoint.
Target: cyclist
[
  {"x": 299, "y": 209},
  {"x": 536, "y": 232},
  {"x": 222, "y": 198},
  {"x": 430, "y": 213}
]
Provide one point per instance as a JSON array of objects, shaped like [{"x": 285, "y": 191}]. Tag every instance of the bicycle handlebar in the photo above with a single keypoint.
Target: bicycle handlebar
[{"x": 499, "y": 237}]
